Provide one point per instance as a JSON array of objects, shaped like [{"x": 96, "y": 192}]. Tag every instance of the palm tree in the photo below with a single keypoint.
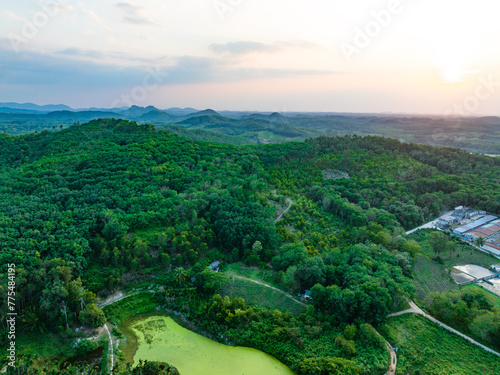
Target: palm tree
[
  {"x": 180, "y": 275},
  {"x": 479, "y": 241}
]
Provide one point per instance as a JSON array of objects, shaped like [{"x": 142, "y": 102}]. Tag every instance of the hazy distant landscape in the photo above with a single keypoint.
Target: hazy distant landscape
[{"x": 474, "y": 134}]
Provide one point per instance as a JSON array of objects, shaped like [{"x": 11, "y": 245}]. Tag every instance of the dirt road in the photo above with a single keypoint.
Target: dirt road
[
  {"x": 394, "y": 360},
  {"x": 417, "y": 310}
]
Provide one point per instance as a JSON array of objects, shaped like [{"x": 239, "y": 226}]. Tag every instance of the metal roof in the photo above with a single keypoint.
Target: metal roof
[{"x": 475, "y": 224}]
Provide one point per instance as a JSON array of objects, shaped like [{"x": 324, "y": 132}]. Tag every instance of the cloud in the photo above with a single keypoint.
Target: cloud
[
  {"x": 29, "y": 69},
  {"x": 132, "y": 14},
  {"x": 13, "y": 16},
  {"x": 70, "y": 76},
  {"x": 241, "y": 48},
  {"x": 72, "y": 51},
  {"x": 102, "y": 57},
  {"x": 246, "y": 47},
  {"x": 194, "y": 69},
  {"x": 66, "y": 71},
  {"x": 96, "y": 18},
  {"x": 91, "y": 33}
]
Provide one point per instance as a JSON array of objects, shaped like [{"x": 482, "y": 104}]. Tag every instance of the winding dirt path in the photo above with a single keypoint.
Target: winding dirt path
[
  {"x": 413, "y": 309},
  {"x": 114, "y": 298},
  {"x": 290, "y": 202},
  {"x": 394, "y": 360},
  {"x": 110, "y": 346},
  {"x": 267, "y": 286},
  {"x": 109, "y": 301}
]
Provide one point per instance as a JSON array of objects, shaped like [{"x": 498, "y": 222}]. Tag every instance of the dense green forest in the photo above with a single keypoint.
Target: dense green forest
[{"x": 90, "y": 209}]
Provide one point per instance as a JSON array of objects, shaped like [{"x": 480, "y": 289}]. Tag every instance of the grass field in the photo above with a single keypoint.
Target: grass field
[
  {"x": 45, "y": 345},
  {"x": 469, "y": 255},
  {"x": 138, "y": 304},
  {"x": 254, "y": 273},
  {"x": 255, "y": 294},
  {"x": 462, "y": 254},
  {"x": 426, "y": 348},
  {"x": 430, "y": 276}
]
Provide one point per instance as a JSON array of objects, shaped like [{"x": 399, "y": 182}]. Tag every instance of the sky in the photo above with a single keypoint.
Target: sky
[{"x": 399, "y": 56}]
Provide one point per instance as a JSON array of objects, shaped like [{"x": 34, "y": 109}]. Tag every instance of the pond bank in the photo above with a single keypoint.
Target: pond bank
[{"x": 126, "y": 314}]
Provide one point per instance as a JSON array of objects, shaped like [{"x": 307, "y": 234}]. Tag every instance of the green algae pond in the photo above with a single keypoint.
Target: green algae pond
[{"x": 161, "y": 339}]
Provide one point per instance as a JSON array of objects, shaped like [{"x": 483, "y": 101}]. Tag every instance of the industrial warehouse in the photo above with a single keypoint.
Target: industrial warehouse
[{"x": 474, "y": 226}]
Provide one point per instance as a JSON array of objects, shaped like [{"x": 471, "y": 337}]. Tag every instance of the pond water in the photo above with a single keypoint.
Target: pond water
[{"x": 162, "y": 339}]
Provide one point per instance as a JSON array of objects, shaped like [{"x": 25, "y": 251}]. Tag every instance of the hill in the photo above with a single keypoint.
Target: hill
[
  {"x": 98, "y": 207},
  {"x": 35, "y": 107},
  {"x": 156, "y": 115},
  {"x": 205, "y": 113},
  {"x": 18, "y": 111},
  {"x": 180, "y": 111},
  {"x": 136, "y": 111},
  {"x": 273, "y": 117},
  {"x": 480, "y": 135}
]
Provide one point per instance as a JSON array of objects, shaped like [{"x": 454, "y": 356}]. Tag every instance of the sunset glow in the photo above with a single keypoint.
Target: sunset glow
[{"x": 335, "y": 49}]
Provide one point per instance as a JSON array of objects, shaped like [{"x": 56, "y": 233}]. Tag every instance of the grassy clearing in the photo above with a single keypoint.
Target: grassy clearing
[
  {"x": 45, "y": 345},
  {"x": 462, "y": 252},
  {"x": 254, "y": 273},
  {"x": 431, "y": 276},
  {"x": 426, "y": 348},
  {"x": 469, "y": 255},
  {"x": 150, "y": 234},
  {"x": 260, "y": 295},
  {"x": 120, "y": 311}
]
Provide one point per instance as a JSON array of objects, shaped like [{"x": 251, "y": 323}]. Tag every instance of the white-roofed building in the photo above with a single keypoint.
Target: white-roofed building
[{"x": 447, "y": 220}]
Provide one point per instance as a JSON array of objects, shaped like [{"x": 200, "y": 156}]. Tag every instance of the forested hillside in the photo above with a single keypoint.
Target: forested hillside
[
  {"x": 90, "y": 209},
  {"x": 474, "y": 134}
]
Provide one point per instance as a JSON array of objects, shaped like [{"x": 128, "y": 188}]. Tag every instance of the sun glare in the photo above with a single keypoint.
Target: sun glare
[
  {"x": 455, "y": 74},
  {"x": 452, "y": 74}
]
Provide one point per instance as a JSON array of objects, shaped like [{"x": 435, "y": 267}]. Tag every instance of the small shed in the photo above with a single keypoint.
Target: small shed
[
  {"x": 305, "y": 295},
  {"x": 215, "y": 266}
]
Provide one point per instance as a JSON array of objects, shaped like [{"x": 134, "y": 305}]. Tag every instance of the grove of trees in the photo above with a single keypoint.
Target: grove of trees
[{"x": 89, "y": 209}]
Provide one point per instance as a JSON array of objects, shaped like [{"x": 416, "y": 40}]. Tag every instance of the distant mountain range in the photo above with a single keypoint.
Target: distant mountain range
[
  {"x": 12, "y": 107},
  {"x": 34, "y": 107},
  {"x": 481, "y": 134}
]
